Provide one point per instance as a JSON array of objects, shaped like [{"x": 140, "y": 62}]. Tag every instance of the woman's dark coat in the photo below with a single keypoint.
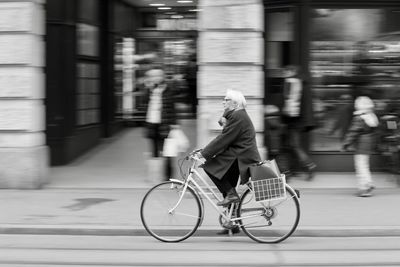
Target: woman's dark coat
[
  {"x": 362, "y": 136},
  {"x": 237, "y": 141},
  {"x": 168, "y": 112}
]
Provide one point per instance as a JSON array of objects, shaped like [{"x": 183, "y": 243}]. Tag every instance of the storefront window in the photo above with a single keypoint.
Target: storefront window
[
  {"x": 88, "y": 39},
  {"x": 177, "y": 56},
  {"x": 88, "y": 94},
  {"x": 280, "y": 52},
  {"x": 353, "y": 52},
  {"x": 280, "y": 41},
  {"x": 88, "y": 71}
]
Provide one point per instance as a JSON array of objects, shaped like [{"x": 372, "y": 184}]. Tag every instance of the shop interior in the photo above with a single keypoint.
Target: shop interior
[
  {"x": 351, "y": 52},
  {"x": 165, "y": 37}
]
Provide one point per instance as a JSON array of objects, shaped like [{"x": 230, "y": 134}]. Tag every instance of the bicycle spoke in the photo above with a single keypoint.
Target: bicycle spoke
[{"x": 188, "y": 215}]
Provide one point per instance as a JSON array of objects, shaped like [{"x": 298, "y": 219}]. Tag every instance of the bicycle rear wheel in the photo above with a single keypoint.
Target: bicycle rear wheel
[
  {"x": 161, "y": 221},
  {"x": 269, "y": 221}
]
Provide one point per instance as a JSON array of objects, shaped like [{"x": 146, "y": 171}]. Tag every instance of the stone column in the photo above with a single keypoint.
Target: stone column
[
  {"x": 23, "y": 153},
  {"x": 230, "y": 56}
]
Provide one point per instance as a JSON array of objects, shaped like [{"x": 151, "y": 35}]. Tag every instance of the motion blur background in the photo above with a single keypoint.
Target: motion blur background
[{"x": 71, "y": 71}]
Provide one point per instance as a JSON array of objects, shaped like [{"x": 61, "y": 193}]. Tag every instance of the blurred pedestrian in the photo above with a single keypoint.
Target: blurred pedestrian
[
  {"x": 191, "y": 79},
  {"x": 362, "y": 135},
  {"x": 294, "y": 117},
  {"x": 233, "y": 151},
  {"x": 343, "y": 116},
  {"x": 160, "y": 117}
]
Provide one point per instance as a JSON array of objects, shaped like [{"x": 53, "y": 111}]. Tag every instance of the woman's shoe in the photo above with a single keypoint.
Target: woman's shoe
[{"x": 231, "y": 197}]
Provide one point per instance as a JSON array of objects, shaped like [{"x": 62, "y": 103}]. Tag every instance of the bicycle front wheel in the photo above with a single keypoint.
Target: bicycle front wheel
[
  {"x": 167, "y": 219},
  {"x": 269, "y": 221}
]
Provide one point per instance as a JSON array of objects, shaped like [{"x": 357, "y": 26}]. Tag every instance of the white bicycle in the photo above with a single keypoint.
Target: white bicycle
[{"x": 178, "y": 205}]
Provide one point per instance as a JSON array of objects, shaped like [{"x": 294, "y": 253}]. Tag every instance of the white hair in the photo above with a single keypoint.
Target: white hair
[{"x": 237, "y": 98}]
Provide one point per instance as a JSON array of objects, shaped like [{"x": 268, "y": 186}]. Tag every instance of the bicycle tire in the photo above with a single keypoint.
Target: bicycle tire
[
  {"x": 283, "y": 214},
  {"x": 166, "y": 226}
]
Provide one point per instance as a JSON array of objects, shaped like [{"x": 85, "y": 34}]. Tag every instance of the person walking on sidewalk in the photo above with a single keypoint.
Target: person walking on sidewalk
[
  {"x": 233, "y": 151},
  {"x": 362, "y": 134},
  {"x": 160, "y": 116},
  {"x": 293, "y": 119}
]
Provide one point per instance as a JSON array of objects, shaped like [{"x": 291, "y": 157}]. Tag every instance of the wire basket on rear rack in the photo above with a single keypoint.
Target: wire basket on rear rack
[{"x": 270, "y": 188}]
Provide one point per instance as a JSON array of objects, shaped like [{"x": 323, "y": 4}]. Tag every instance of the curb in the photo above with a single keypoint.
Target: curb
[{"x": 372, "y": 231}]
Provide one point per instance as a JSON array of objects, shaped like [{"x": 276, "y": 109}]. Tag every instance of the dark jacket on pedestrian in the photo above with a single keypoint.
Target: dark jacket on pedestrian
[
  {"x": 168, "y": 112},
  {"x": 304, "y": 119},
  {"x": 362, "y": 133},
  {"x": 236, "y": 142}
]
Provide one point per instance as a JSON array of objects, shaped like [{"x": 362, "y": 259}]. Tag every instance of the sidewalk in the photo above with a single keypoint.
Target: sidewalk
[
  {"x": 100, "y": 194},
  {"x": 324, "y": 212}
]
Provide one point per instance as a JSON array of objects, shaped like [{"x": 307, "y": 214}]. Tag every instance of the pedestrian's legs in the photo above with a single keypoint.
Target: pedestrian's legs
[
  {"x": 363, "y": 173},
  {"x": 169, "y": 170},
  {"x": 284, "y": 158},
  {"x": 154, "y": 147},
  {"x": 295, "y": 142},
  {"x": 304, "y": 160},
  {"x": 152, "y": 133},
  {"x": 159, "y": 144},
  {"x": 155, "y": 139}
]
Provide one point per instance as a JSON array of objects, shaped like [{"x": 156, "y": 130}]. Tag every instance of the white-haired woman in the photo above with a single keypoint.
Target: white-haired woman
[
  {"x": 361, "y": 134},
  {"x": 232, "y": 152}
]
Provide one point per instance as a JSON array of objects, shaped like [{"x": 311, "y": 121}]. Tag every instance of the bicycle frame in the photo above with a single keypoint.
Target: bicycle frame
[
  {"x": 197, "y": 188},
  {"x": 191, "y": 179}
]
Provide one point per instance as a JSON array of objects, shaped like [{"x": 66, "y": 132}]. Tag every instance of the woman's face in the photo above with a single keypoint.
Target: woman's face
[{"x": 228, "y": 104}]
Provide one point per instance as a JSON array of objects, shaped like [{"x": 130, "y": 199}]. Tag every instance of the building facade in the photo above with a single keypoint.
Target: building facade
[
  {"x": 66, "y": 69},
  {"x": 24, "y": 157}
]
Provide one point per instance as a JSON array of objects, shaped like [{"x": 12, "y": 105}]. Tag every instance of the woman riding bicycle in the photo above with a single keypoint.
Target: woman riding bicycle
[
  {"x": 233, "y": 151},
  {"x": 179, "y": 203}
]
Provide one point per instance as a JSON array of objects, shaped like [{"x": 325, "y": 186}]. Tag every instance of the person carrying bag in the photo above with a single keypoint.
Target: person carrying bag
[{"x": 175, "y": 143}]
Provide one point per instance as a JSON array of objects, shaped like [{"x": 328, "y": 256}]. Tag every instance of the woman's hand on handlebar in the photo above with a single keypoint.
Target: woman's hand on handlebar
[{"x": 196, "y": 154}]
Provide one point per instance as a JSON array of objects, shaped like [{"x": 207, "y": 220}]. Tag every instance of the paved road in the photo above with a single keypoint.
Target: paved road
[{"x": 45, "y": 250}]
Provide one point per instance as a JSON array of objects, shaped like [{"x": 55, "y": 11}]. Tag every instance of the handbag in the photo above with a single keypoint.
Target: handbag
[
  {"x": 175, "y": 143},
  {"x": 267, "y": 182},
  {"x": 264, "y": 170}
]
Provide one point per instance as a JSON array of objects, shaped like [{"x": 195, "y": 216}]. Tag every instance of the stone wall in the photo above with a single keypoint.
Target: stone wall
[
  {"x": 23, "y": 153},
  {"x": 230, "y": 56}
]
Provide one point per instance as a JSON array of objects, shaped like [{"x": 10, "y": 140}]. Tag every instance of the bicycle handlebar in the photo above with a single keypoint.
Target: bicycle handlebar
[{"x": 193, "y": 155}]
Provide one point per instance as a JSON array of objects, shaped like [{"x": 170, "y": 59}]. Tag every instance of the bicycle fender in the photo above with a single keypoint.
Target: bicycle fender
[{"x": 296, "y": 191}]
